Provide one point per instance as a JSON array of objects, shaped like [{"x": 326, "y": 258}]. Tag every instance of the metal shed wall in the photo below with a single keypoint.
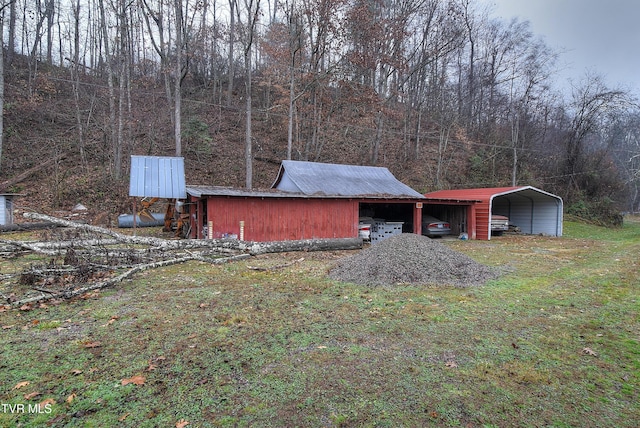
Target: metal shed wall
[
  {"x": 5, "y": 211},
  {"x": 532, "y": 210},
  {"x": 281, "y": 219},
  {"x": 6, "y": 208},
  {"x": 157, "y": 176}
]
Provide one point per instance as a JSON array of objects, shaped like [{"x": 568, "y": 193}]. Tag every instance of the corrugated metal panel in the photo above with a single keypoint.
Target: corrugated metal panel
[
  {"x": 200, "y": 191},
  {"x": 4, "y": 205},
  {"x": 532, "y": 210},
  {"x": 312, "y": 178},
  {"x": 283, "y": 219},
  {"x": 157, "y": 176},
  {"x": 470, "y": 195},
  {"x": 203, "y": 191}
]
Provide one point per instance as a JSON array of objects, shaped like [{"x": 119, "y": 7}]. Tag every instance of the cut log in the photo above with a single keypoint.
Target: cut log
[
  {"x": 67, "y": 294},
  {"x": 142, "y": 240},
  {"x": 252, "y": 248},
  {"x": 332, "y": 244},
  {"x": 17, "y": 227}
]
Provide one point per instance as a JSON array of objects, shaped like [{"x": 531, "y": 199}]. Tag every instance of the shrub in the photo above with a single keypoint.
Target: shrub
[{"x": 602, "y": 212}]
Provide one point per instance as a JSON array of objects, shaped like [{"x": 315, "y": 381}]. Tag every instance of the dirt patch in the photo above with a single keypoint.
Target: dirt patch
[{"x": 411, "y": 259}]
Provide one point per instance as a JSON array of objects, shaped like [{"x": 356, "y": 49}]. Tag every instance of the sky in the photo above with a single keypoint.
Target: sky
[{"x": 602, "y": 36}]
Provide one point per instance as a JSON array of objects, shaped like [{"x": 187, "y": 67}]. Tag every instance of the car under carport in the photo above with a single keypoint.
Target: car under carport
[{"x": 532, "y": 210}]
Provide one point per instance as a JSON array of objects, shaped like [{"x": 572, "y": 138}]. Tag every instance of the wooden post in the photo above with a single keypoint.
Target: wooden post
[
  {"x": 417, "y": 218},
  {"x": 135, "y": 212}
]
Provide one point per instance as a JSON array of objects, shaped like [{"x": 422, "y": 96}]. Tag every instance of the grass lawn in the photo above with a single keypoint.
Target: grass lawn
[{"x": 554, "y": 342}]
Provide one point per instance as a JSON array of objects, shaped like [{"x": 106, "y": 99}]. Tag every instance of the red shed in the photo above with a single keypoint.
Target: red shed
[
  {"x": 532, "y": 210},
  {"x": 318, "y": 201}
]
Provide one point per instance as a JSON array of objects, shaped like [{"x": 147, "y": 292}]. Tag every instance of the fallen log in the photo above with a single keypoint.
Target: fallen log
[
  {"x": 142, "y": 240},
  {"x": 29, "y": 172},
  {"x": 29, "y": 246},
  {"x": 145, "y": 240},
  {"x": 67, "y": 294},
  {"x": 331, "y": 244},
  {"x": 19, "y": 227},
  {"x": 253, "y": 248}
]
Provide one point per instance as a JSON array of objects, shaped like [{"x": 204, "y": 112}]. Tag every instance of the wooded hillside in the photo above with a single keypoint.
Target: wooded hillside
[{"x": 435, "y": 90}]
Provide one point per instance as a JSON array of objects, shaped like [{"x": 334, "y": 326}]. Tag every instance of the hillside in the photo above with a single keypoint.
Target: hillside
[
  {"x": 41, "y": 124},
  {"x": 435, "y": 91},
  {"x": 67, "y": 125}
]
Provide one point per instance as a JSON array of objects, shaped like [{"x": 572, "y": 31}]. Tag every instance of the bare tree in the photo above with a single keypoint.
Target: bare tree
[
  {"x": 3, "y": 7},
  {"x": 233, "y": 6},
  {"x": 295, "y": 32},
  {"x": 248, "y": 21},
  {"x": 11, "y": 45},
  {"x": 593, "y": 107},
  {"x": 159, "y": 40},
  {"x": 112, "y": 129},
  {"x": 75, "y": 80},
  {"x": 178, "y": 78}
]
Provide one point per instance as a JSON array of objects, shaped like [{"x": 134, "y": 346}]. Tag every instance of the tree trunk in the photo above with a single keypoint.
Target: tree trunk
[
  {"x": 253, "y": 13},
  {"x": 50, "y": 11},
  {"x": 178, "y": 79},
  {"x": 232, "y": 33},
  {"x": 515, "y": 131},
  {"x": 378, "y": 139},
  {"x": 112, "y": 103},
  {"x": 291, "y": 107},
  {"x": 75, "y": 78},
  {"x": 1, "y": 91},
  {"x": 11, "y": 46},
  {"x": 333, "y": 244},
  {"x": 67, "y": 294},
  {"x": 244, "y": 246}
]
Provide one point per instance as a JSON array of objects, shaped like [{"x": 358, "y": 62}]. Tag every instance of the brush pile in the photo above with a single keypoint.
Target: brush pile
[{"x": 411, "y": 259}]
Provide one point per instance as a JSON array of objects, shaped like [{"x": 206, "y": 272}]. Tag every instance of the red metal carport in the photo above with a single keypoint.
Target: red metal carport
[{"x": 532, "y": 210}]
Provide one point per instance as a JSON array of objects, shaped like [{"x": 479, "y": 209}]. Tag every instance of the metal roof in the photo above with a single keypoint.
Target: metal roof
[
  {"x": 471, "y": 195},
  {"x": 313, "y": 178},
  {"x": 157, "y": 176},
  {"x": 200, "y": 191},
  {"x": 487, "y": 193}
]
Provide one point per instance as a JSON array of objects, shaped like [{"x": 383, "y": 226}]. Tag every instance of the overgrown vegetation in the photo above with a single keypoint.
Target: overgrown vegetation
[
  {"x": 553, "y": 342},
  {"x": 437, "y": 91},
  {"x": 601, "y": 212}
]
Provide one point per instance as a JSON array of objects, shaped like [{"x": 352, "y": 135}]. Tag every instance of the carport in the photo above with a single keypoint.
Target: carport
[{"x": 532, "y": 210}]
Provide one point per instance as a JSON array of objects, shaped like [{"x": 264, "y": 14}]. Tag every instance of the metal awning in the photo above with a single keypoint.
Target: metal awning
[{"x": 157, "y": 177}]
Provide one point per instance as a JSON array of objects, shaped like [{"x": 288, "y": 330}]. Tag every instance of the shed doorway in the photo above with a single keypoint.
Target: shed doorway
[
  {"x": 455, "y": 215},
  {"x": 390, "y": 212}
]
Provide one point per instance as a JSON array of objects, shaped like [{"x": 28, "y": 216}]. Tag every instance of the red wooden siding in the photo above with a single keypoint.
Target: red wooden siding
[
  {"x": 483, "y": 220},
  {"x": 276, "y": 219}
]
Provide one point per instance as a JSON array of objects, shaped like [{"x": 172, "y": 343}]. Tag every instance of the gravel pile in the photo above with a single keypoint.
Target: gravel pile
[{"x": 411, "y": 259}]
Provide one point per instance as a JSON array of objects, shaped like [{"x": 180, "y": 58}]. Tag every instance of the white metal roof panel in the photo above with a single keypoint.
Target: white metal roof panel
[{"x": 157, "y": 176}]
